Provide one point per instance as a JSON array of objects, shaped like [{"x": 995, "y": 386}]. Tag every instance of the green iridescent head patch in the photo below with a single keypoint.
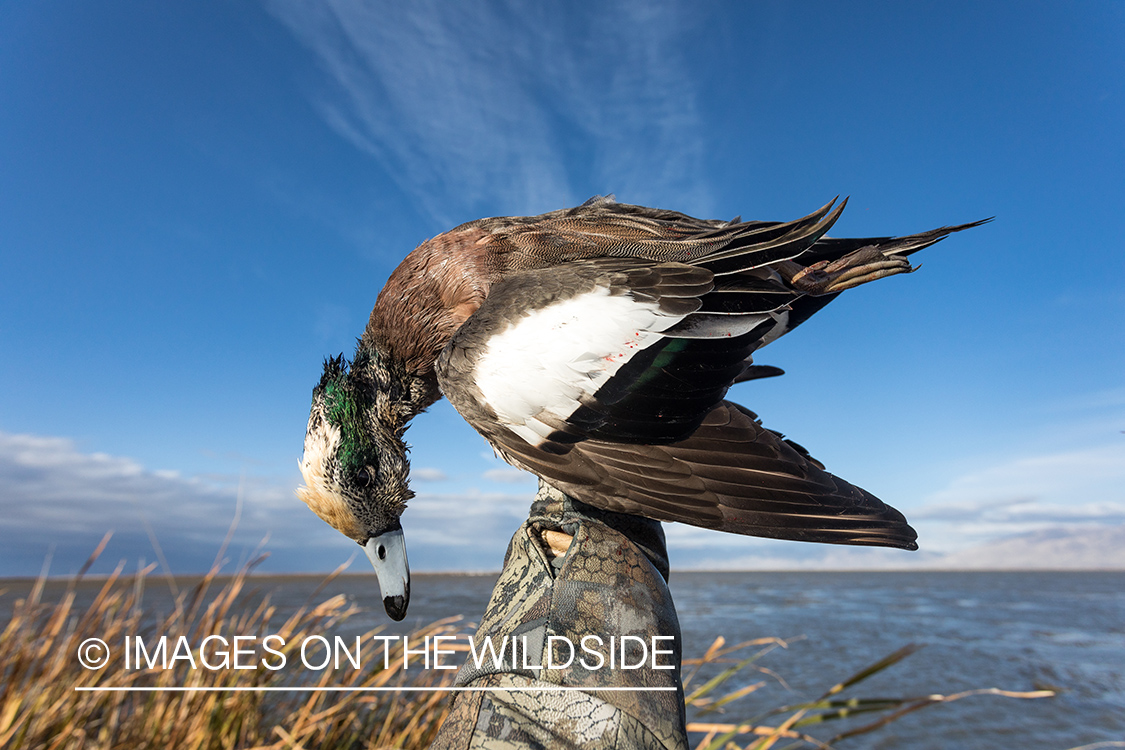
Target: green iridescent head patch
[{"x": 348, "y": 399}]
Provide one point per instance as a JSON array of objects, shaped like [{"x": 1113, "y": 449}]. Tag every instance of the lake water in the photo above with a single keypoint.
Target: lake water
[{"x": 1016, "y": 631}]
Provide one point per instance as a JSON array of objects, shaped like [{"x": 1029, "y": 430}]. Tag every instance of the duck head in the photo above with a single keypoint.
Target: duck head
[{"x": 355, "y": 466}]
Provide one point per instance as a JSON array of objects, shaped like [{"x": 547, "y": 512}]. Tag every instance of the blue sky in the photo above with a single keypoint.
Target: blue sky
[{"x": 200, "y": 201}]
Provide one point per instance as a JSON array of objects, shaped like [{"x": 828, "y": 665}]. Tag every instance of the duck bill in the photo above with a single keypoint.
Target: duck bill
[{"x": 387, "y": 553}]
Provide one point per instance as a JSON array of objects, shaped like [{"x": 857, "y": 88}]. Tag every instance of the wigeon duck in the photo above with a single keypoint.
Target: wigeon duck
[{"x": 593, "y": 347}]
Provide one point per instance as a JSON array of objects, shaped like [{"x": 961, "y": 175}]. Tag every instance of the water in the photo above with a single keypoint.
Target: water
[{"x": 1017, "y": 631}]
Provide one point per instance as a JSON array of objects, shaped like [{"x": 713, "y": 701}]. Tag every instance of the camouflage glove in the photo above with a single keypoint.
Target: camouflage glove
[{"x": 574, "y": 577}]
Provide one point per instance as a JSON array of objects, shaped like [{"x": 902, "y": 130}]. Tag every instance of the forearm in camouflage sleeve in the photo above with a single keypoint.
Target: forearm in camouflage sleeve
[{"x": 611, "y": 581}]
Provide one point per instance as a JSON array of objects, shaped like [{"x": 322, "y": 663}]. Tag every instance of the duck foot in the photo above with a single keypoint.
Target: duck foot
[{"x": 857, "y": 267}]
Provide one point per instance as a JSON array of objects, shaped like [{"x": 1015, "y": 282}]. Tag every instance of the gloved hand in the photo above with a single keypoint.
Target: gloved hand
[{"x": 574, "y": 578}]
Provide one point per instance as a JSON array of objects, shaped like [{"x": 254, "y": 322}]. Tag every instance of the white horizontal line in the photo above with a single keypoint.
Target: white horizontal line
[{"x": 367, "y": 689}]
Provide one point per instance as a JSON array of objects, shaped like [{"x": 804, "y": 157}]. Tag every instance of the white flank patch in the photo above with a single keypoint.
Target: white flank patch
[{"x": 541, "y": 366}]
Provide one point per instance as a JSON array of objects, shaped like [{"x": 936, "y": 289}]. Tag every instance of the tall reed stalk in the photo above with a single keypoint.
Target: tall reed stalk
[{"x": 42, "y": 704}]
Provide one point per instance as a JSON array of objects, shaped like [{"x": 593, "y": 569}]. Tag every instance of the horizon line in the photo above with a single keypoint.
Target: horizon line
[
  {"x": 468, "y": 574},
  {"x": 473, "y": 573},
  {"x": 343, "y": 689}
]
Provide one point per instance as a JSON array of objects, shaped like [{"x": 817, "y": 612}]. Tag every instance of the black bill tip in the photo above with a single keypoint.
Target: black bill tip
[{"x": 396, "y": 607}]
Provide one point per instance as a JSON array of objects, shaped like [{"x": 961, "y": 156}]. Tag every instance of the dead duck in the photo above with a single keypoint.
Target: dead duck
[{"x": 593, "y": 347}]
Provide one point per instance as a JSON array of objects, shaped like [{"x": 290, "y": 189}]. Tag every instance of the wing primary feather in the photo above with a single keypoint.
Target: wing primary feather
[{"x": 635, "y": 421}]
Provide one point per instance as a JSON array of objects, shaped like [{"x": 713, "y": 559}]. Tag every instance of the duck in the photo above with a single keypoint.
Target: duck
[{"x": 593, "y": 347}]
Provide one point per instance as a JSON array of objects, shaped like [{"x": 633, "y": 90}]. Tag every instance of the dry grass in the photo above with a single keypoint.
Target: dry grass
[{"x": 40, "y": 707}]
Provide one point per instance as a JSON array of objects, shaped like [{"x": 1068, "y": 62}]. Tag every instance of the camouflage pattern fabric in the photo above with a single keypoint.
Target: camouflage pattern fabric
[{"x": 610, "y": 582}]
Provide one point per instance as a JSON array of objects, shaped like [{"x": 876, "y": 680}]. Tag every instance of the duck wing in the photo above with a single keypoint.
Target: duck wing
[
  {"x": 731, "y": 475},
  {"x": 606, "y": 377},
  {"x": 601, "y": 356},
  {"x": 612, "y": 349},
  {"x": 601, "y": 227}
]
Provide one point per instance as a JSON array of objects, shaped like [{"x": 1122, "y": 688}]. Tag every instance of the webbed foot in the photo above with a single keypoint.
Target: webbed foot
[{"x": 857, "y": 267}]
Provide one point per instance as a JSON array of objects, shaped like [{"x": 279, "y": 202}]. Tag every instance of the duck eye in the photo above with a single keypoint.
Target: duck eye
[
  {"x": 363, "y": 478},
  {"x": 382, "y": 552}
]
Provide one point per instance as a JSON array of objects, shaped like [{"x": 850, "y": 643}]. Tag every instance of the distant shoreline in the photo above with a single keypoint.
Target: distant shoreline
[{"x": 189, "y": 577}]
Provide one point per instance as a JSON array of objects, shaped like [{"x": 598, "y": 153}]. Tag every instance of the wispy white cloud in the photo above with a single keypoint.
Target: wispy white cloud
[
  {"x": 472, "y": 106},
  {"x": 778, "y": 555},
  {"x": 1055, "y": 510},
  {"x": 1083, "y": 487},
  {"x": 1052, "y": 548},
  {"x": 484, "y": 520},
  {"x": 55, "y": 495},
  {"x": 1034, "y": 512},
  {"x": 507, "y": 475},
  {"x": 428, "y": 474}
]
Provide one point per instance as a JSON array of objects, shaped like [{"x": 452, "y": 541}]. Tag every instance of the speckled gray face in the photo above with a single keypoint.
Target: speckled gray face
[{"x": 355, "y": 470}]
